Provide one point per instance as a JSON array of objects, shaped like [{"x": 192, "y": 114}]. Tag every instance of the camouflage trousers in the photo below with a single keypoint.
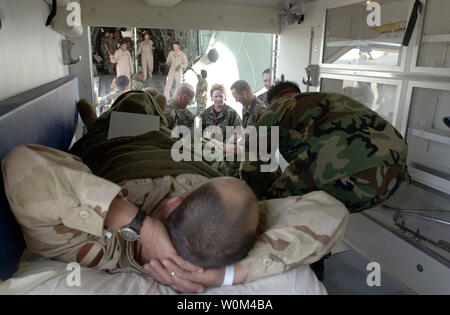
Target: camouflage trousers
[
  {"x": 358, "y": 192},
  {"x": 201, "y": 106}
]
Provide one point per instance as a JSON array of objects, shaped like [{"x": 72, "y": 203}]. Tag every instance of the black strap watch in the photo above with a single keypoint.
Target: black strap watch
[{"x": 131, "y": 232}]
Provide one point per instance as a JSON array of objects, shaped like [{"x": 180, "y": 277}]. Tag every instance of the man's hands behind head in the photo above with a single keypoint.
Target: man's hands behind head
[{"x": 156, "y": 249}]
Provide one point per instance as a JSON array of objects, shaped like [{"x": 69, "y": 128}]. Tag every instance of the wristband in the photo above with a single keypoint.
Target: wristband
[{"x": 229, "y": 276}]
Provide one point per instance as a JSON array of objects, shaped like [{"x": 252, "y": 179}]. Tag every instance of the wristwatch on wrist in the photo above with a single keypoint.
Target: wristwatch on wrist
[{"x": 131, "y": 232}]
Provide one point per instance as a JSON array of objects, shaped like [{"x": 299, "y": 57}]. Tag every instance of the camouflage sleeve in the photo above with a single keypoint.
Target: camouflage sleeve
[
  {"x": 252, "y": 171},
  {"x": 204, "y": 118},
  {"x": 51, "y": 191},
  {"x": 298, "y": 231},
  {"x": 259, "y": 112},
  {"x": 236, "y": 120},
  {"x": 105, "y": 100},
  {"x": 170, "y": 120},
  {"x": 191, "y": 119}
]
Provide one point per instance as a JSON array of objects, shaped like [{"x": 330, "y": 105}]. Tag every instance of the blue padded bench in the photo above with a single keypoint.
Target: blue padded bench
[{"x": 46, "y": 115}]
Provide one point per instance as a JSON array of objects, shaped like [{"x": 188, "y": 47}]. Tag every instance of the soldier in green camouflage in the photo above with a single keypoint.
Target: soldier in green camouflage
[
  {"x": 168, "y": 44},
  {"x": 137, "y": 82},
  {"x": 332, "y": 143},
  {"x": 253, "y": 107},
  {"x": 251, "y": 112},
  {"x": 220, "y": 114},
  {"x": 104, "y": 48},
  {"x": 201, "y": 95},
  {"x": 176, "y": 112},
  {"x": 122, "y": 84},
  {"x": 266, "y": 81}
]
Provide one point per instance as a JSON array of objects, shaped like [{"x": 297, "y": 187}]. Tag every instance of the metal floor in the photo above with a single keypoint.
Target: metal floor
[{"x": 345, "y": 273}]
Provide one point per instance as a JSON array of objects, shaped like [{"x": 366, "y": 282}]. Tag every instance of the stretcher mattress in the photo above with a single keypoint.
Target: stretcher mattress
[{"x": 48, "y": 277}]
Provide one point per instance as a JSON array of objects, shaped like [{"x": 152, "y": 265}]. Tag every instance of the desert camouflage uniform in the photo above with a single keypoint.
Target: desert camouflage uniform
[
  {"x": 227, "y": 117},
  {"x": 61, "y": 207},
  {"x": 251, "y": 116},
  {"x": 333, "y": 143},
  {"x": 201, "y": 94},
  {"x": 175, "y": 117}
]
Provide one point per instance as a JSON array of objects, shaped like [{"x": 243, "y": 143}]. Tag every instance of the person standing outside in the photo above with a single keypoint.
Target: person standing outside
[
  {"x": 104, "y": 48},
  {"x": 176, "y": 112},
  {"x": 267, "y": 83},
  {"x": 253, "y": 107},
  {"x": 124, "y": 62},
  {"x": 201, "y": 95},
  {"x": 220, "y": 114},
  {"x": 177, "y": 60},
  {"x": 146, "y": 52},
  {"x": 169, "y": 45}
]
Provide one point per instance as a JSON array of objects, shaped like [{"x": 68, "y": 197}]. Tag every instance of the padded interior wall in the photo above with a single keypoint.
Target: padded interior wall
[{"x": 46, "y": 115}]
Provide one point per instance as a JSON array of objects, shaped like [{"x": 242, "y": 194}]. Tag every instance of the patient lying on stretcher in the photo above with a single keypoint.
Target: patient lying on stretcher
[
  {"x": 212, "y": 222},
  {"x": 63, "y": 208}
]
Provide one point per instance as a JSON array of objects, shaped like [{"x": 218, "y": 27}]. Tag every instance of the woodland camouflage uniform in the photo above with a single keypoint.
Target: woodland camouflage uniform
[
  {"x": 332, "y": 143},
  {"x": 227, "y": 117},
  {"x": 252, "y": 114},
  {"x": 201, "y": 94},
  {"x": 175, "y": 117}
]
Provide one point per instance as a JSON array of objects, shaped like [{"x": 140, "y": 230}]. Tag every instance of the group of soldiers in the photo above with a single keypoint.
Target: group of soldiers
[
  {"x": 118, "y": 59},
  {"x": 329, "y": 141},
  {"x": 219, "y": 114},
  {"x": 109, "y": 45}
]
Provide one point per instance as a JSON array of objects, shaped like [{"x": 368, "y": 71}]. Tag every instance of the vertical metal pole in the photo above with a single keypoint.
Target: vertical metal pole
[
  {"x": 274, "y": 66},
  {"x": 135, "y": 51}
]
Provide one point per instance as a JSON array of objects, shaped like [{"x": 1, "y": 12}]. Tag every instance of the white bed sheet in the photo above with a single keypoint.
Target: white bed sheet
[{"x": 41, "y": 276}]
